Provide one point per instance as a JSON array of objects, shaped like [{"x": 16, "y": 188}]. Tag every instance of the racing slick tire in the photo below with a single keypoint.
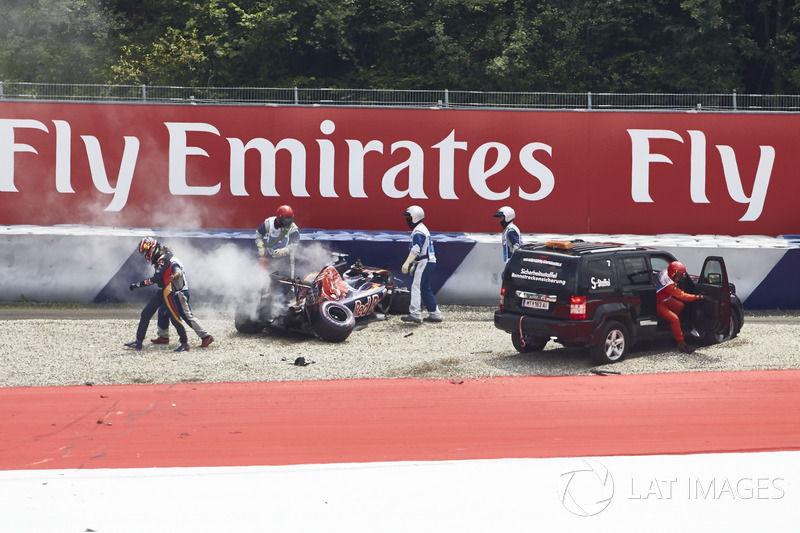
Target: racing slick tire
[
  {"x": 532, "y": 344},
  {"x": 332, "y": 321},
  {"x": 247, "y": 319},
  {"x": 612, "y": 346}
]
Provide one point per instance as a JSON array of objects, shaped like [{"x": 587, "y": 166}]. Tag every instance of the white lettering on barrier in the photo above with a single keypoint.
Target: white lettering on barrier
[
  {"x": 536, "y": 169},
  {"x": 8, "y": 147},
  {"x": 447, "y": 163},
  {"x": 268, "y": 152},
  {"x": 97, "y": 168},
  {"x": 356, "y": 164},
  {"x": 413, "y": 166},
  {"x": 63, "y": 158},
  {"x": 755, "y": 202},
  {"x": 179, "y": 151},
  {"x": 697, "y": 167},
  {"x": 326, "y": 161},
  {"x": 478, "y": 173},
  {"x": 641, "y": 157}
]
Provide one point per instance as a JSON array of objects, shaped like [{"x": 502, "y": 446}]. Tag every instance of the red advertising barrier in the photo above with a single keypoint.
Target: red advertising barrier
[{"x": 341, "y": 168}]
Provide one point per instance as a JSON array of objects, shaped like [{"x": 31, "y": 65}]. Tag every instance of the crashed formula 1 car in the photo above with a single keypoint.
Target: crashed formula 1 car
[{"x": 326, "y": 303}]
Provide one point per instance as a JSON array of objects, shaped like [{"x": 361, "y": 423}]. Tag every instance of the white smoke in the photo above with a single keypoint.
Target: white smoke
[{"x": 229, "y": 275}]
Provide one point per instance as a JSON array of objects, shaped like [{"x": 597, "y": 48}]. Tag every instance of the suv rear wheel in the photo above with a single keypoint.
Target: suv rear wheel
[
  {"x": 612, "y": 346},
  {"x": 532, "y": 344},
  {"x": 726, "y": 335}
]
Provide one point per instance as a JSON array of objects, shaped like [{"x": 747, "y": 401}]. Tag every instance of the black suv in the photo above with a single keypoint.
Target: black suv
[{"x": 603, "y": 295}]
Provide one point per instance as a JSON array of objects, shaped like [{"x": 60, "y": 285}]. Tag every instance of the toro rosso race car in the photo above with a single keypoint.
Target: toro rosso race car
[{"x": 325, "y": 303}]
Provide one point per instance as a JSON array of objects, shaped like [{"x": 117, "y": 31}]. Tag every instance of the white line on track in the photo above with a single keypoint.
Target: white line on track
[{"x": 710, "y": 492}]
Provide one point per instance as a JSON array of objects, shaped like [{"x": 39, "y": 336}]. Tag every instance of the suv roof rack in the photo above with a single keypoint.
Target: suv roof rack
[
  {"x": 580, "y": 247},
  {"x": 614, "y": 249}
]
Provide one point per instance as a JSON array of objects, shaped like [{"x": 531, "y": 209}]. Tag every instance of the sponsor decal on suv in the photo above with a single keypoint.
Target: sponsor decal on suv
[
  {"x": 538, "y": 275},
  {"x": 598, "y": 283},
  {"x": 542, "y": 261}
]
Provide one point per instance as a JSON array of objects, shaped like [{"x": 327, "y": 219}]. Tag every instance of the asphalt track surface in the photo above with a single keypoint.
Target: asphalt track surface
[{"x": 351, "y": 421}]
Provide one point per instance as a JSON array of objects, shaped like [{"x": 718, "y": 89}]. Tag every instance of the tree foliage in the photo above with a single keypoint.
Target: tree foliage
[
  {"x": 506, "y": 45},
  {"x": 55, "y": 40}
]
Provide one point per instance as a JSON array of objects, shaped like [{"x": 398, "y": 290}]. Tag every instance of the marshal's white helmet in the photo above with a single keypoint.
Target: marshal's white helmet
[
  {"x": 414, "y": 212},
  {"x": 506, "y": 212}
]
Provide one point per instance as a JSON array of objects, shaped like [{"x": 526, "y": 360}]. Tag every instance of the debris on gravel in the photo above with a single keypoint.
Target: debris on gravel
[{"x": 76, "y": 345}]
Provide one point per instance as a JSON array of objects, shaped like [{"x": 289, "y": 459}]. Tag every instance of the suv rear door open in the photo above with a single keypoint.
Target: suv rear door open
[{"x": 713, "y": 284}]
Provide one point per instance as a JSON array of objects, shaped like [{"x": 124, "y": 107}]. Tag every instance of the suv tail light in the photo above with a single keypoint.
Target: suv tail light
[
  {"x": 577, "y": 307},
  {"x": 502, "y": 297}
]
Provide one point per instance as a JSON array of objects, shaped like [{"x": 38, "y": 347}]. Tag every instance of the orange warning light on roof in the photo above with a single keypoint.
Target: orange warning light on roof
[{"x": 559, "y": 245}]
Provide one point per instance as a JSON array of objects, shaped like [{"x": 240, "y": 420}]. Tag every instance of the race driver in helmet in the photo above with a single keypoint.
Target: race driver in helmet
[
  {"x": 160, "y": 258},
  {"x": 278, "y": 235},
  {"x": 670, "y": 300},
  {"x": 422, "y": 256},
  {"x": 179, "y": 297},
  {"x": 511, "y": 237}
]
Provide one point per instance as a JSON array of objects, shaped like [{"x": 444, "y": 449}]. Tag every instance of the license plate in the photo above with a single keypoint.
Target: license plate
[{"x": 535, "y": 304}]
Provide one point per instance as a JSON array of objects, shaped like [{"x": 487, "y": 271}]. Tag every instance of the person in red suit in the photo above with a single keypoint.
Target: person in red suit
[{"x": 670, "y": 300}]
